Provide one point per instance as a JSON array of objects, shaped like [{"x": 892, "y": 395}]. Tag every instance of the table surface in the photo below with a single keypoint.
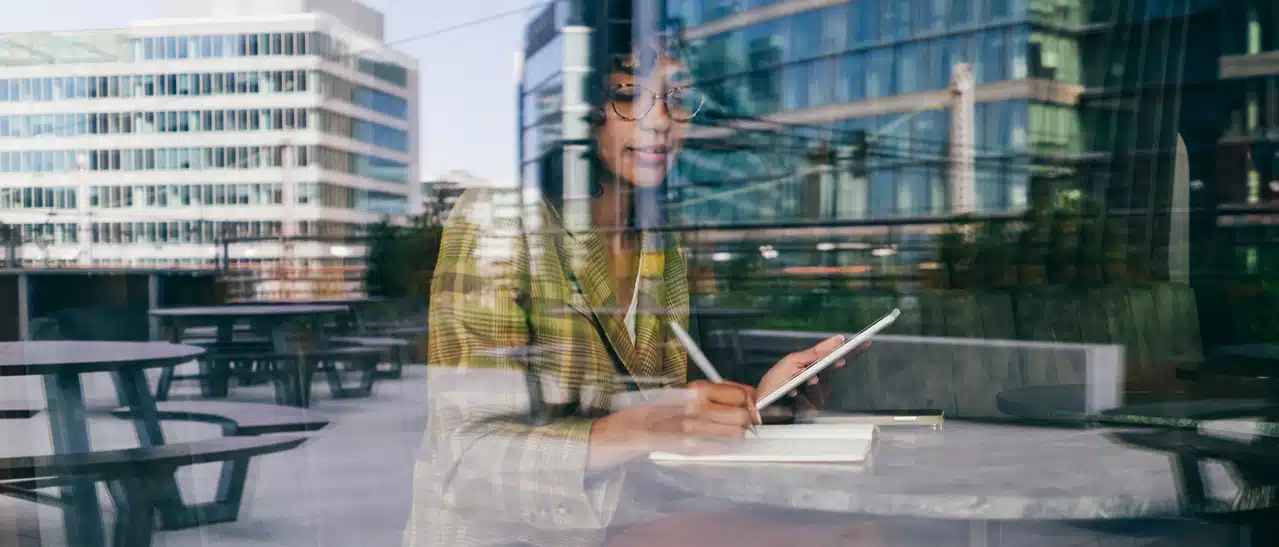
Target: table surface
[
  {"x": 1268, "y": 352},
  {"x": 277, "y": 310},
  {"x": 51, "y": 357},
  {"x": 710, "y": 313},
  {"x": 313, "y": 301},
  {"x": 975, "y": 472},
  {"x": 1066, "y": 402}
]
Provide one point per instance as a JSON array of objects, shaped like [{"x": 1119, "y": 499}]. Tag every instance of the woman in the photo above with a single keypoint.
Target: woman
[{"x": 541, "y": 331}]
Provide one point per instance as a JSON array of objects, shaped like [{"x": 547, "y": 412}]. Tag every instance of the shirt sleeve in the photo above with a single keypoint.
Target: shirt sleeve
[{"x": 484, "y": 452}]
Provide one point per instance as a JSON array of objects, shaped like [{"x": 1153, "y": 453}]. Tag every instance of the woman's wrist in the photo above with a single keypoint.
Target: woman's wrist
[{"x": 610, "y": 446}]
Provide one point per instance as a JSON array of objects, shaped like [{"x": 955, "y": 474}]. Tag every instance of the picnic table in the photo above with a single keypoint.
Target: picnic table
[
  {"x": 275, "y": 319},
  {"x": 61, "y": 363}
]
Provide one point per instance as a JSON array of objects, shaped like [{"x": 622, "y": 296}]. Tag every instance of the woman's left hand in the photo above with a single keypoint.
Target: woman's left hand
[{"x": 795, "y": 363}]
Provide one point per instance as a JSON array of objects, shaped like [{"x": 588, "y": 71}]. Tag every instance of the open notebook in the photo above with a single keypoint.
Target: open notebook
[{"x": 796, "y": 443}]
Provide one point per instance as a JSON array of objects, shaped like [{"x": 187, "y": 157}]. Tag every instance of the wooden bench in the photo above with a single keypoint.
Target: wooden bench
[
  {"x": 292, "y": 373},
  {"x": 396, "y": 350},
  {"x": 214, "y": 375},
  {"x": 239, "y": 419},
  {"x": 135, "y": 477}
]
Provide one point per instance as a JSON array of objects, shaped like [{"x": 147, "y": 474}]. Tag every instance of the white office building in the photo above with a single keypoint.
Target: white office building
[{"x": 272, "y": 119}]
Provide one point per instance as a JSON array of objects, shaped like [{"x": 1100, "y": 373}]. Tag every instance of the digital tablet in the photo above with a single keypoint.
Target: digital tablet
[{"x": 852, "y": 343}]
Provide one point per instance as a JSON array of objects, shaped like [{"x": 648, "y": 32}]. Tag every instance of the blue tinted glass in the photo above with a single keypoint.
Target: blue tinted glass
[
  {"x": 863, "y": 20},
  {"x": 914, "y": 197},
  {"x": 765, "y": 45},
  {"x": 796, "y": 80},
  {"x": 543, "y": 64},
  {"x": 378, "y": 101},
  {"x": 879, "y": 76},
  {"x": 834, "y": 29},
  {"x": 895, "y": 19},
  {"x": 853, "y": 77},
  {"x": 992, "y": 55},
  {"x": 882, "y": 182},
  {"x": 381, "y": 135},
  {"x": 910, "y": 68},
  {"x": 961, "y": 13},
  {"x": 379, "y": 168},
  {"x": 805, "y": 35}
]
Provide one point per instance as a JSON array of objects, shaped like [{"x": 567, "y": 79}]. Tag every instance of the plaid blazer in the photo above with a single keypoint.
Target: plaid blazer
[{"x": 523, "y": 320}]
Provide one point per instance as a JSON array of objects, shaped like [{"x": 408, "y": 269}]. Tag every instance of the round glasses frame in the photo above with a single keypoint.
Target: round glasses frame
[{"x": 675, "y": 109}]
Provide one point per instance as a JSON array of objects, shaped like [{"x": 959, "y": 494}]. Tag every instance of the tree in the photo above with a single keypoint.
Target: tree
[
  {"x": 1068, "y": 241},
  {"x": 401, "y": 260},
  {"x": 380, "y": 274},
  {"x": 420, "y": 251}
]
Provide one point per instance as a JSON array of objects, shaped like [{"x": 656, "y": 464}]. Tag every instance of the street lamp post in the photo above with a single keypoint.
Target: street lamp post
[
  {"x": 84, "y": 226},
  {"x": 45, "y": 239}
]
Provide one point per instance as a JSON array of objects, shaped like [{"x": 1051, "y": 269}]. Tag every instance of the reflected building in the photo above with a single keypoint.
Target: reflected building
[
  {"x": 147, "y": 146},
  {"x": 546, "y": 51},
  {"x": 835, "y": 71},
  {"x": 830, "y": 122}
]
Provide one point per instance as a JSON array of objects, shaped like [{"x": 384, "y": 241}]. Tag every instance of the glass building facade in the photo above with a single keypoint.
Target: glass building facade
[
  {"x": 312, "y": 133},
  {"x": 541, "y": 97},
  {"x": 840, "y": 113},
  {"x": 881, "y": 67}
]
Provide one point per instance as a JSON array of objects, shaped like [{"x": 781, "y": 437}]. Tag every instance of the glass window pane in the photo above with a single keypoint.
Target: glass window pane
[{"x": 852, "y": 77}]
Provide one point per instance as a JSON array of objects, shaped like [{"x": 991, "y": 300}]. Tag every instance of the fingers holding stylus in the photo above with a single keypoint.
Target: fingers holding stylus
[{"x": 816, "y": 380}]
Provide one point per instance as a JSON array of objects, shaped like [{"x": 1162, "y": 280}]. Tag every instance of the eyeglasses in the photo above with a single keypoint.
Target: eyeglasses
[{"x": 632, "y": 102}]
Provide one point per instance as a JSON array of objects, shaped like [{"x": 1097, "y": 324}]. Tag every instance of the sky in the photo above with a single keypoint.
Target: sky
[{"x": 468, "y": 83}]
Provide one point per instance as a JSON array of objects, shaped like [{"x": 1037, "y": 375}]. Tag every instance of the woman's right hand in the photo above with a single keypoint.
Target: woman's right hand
[{"x": 709, "y": 417}]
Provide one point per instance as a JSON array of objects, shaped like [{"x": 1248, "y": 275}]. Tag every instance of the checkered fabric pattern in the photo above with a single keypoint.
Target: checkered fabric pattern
[{"x": 519, "y": 371}]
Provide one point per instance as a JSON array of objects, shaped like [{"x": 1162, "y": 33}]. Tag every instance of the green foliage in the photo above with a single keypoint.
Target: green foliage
[
  {"x": 401, "y": 260},
  {"x": 1070, "y": 240},
  {"x": 380, "y": 278}
]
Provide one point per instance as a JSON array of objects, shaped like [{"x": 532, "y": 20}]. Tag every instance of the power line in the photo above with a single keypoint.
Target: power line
[{"x": 468, "y": 24}]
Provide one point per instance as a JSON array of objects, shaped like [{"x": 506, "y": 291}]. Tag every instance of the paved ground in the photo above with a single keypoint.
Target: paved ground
[
  {"x": 349, "y": 486},
  {"x": 346, "y": 487}
]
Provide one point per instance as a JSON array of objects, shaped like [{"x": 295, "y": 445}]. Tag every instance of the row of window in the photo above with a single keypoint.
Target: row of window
[
  {"x": 182, "y": 121},
  {"x": 908, "y": 17},
  {"x": 361, "y": 165},
  {"x": 202, "y": 84},
  {"x": 892, "y": 189},
  {"x": 188, "y": 231},
  {"x": 235, "y": 45},
  {"x": 363, "y": 131},
  {"x": 342, "y": 197},
  {"x": 185, "y": 195},
  {"x": 994, "y": 55},
  {"x": 204, "y": 195},
  {"x": 217, "y": 157},
  {"x": 371, "y": 99},
  {"x": 154, "y": 85},
  {"x": 188, "y": 121},
  {"x": 862, "y": 21},
  {"x": 53, "y": 197},
  {"x": 175, "y": 232},
  {"x": 55, "y": 233},
  {"x": 148, "y": 159},
  {"x": 264, "y": 44}
]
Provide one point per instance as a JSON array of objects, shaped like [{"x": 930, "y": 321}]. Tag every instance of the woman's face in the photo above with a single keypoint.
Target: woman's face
[{"x": 644, "y": 123}]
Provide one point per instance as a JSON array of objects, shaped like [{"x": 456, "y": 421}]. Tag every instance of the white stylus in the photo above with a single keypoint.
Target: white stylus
[{"x": 699, "y": 359}]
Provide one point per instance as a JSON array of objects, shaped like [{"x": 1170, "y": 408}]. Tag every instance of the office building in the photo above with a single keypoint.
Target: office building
[
  {"x": 833, "y": 71},
  {"x": 439, "y": 195},
  {"x": 282, "y": 124},
  {"x": 547, "y": 126},
  {"x": 833, "y": 120}
]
